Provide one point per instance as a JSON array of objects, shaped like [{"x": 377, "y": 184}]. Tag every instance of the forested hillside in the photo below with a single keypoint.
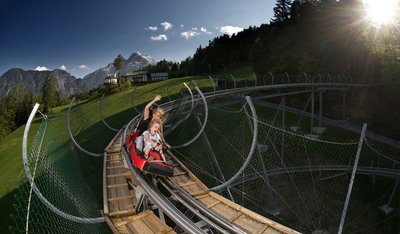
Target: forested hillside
[{"x": 326, "y": 37}]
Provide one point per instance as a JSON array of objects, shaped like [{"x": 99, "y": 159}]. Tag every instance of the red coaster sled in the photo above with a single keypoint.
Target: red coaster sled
[{"x": 153, "y": 166}]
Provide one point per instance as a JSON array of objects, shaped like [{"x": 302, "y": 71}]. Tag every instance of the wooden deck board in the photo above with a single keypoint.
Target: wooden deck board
[
  {"x": 225, "y": 211},
  {"x": 249, "y": 224},
  {"x": 145, "y": 222},
  {"x": 271, "y": 230},
  {"x": 208, "y": 201},
  {"x": 194, "y": 189},
  {"x": 120, "y": 199}
]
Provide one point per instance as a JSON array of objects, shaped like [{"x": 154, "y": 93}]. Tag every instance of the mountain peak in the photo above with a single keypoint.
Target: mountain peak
[
  {"x": 33, "y": 81},
  {"x": 67, "y": 84},
  {"x": 135, "y": 62}
]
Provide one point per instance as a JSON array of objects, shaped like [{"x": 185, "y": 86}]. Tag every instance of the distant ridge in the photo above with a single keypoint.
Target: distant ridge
[
  {"x": 66, "y": 84},
  {"x": 134, "y": 62}
]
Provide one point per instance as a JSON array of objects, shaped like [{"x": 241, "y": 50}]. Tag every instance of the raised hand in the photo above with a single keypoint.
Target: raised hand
[{"x": 157, "y": 98}]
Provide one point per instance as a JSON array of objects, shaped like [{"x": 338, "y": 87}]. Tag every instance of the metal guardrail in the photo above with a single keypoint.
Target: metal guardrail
[{"x": 31, "y": 178}]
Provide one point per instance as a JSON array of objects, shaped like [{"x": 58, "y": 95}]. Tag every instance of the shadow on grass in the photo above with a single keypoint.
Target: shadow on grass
[{"x": 6, "y": 207}]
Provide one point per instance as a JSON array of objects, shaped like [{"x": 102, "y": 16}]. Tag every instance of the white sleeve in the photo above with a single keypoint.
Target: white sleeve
[{"x": 146, "y": 133}]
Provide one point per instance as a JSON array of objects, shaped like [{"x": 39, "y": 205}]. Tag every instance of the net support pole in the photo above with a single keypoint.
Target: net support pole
[
  {"x": 344, "y": 105},
  {"x": 251, "y": 152},
  {"x": 234, "y": 81},
  {"x": 392, "y": 194},
  {"x": 312, "y": 112},
  {"x": 213, "y": 158},
  {"x": 283, "y": 127},
  {"x": 320, "y": 109},
  {"x": 214, "y": 85},
  {"x": 271, "y": 197},
  {"x": 353, "y": 175}
]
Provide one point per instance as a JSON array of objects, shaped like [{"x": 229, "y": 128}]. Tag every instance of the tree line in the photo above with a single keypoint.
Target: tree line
[
  {"x": 17, "y": 104},
  {"x": 324, "y": 36},
  {"x": 313, "y": 36}
]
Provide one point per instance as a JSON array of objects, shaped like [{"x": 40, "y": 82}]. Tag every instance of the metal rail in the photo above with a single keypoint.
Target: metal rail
[
  {"x": 364, "y": 170},
  {"x": 204, "y": 123},
  {"x": 162, "y": 202},
  {"x": 251, "y": 152},
  {"x": 72, "y": 137},
  {"x": 28, "y": 174},
  {"x": 102, "y": 117}
]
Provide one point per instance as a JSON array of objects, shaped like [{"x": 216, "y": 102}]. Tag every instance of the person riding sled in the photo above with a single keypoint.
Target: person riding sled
[
  {"x": 152, "y": 112},
  {"x": 152, "y": 139}
]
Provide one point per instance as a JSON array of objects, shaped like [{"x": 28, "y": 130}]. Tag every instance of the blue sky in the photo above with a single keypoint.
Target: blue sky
[{"x": 82, "y": 36}]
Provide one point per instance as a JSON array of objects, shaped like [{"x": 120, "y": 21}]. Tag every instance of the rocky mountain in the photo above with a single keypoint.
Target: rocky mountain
[
  {"x": 134, "y": 62},
  {"x": 66, "y": 84}
]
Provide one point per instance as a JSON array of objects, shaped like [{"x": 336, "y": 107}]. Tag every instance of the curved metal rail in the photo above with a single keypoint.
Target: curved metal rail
[
  {"x": 219, "y": 210},
  {"x": 174, "y": 214},
  {"x": 204, "y": 123},
  {"x": 233, "y": 180},
  {"x": 72, "y": 137},
  {"x": 214, "y": 220},
  {"x": 188, "y": 114},
  {"x": 251, "y": 152},
  {"x": 31, "y": 181},
  {"x": 102, "y": 117},
  {"x": 133, "y": 104},
  {"x": 162, "y": 202},
  {"x": 365, "y": 170}
]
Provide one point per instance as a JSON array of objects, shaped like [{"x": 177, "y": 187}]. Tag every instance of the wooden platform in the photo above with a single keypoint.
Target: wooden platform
[
  {"x": 119, "y": 199},
  {"x": 243, "y": 218}
]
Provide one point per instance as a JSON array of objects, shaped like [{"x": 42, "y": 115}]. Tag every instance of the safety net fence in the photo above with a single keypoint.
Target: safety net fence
[
  {"x": 288, "y": 176},
  {"x": 296, "y": 178},
  {"x": 60, "y": 192}
]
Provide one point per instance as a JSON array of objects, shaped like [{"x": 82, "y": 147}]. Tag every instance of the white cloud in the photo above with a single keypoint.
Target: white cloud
[
  {"x": 160, "y": 37},
  {"x": 189, "y": 34},
  {"x": 83, "y": 66},
  {"x": 204, "y": 30},
  {"x": 153, "y": 28},
  {"x": 230, "y": 30},
  {"x": 194, "y": 29},
  {"x": 40, "y": 68},
  {"x": 182, "y": 25},
  {"x": 166, "y": 25},
  {"x": 63, "y": 67}
]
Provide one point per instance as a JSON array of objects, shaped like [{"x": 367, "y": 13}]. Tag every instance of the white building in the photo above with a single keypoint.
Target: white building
[{"x": 110, "y": 80}]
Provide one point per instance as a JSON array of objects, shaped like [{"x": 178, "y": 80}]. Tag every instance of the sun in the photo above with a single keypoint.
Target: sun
[{"x": 381, "y": 12}]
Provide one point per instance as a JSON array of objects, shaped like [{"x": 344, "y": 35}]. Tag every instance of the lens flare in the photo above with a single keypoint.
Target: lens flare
[{"x": 381, "y": 12}]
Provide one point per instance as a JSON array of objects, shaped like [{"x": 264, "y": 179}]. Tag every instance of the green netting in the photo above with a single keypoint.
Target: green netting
[
  {"x": 293, "y": 178},
  {"x": 66, "y": 178}
]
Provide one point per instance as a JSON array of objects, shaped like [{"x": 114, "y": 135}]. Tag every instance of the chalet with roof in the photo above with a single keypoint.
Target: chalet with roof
[{"x": 144, "y": 77}]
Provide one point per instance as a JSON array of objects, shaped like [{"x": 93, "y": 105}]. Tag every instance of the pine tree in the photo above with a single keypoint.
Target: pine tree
[
  {"x": 50, "y": 97},
  {"x": 281, "y": 11}
]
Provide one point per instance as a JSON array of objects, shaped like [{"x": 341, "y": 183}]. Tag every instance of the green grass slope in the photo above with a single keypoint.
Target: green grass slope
[{"x": 86, "y": 124}]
